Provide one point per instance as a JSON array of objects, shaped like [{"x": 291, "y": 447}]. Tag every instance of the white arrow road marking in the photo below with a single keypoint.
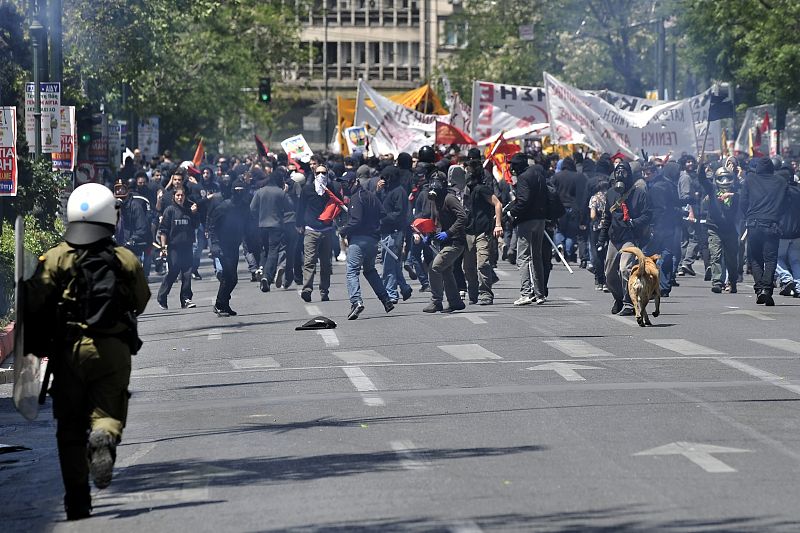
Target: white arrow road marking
[
  {"x": 468, "y": 352},
  {"x": 699, "y": 454},
  {"x": 361, "y": 356},
  {"x": 364, "y": 385},
  {"x": 215, "y": 334},
  {"x": 475, "y": 318},
  {"x": 625, "y": 320},
  {"x": 780, "y": 344},
  {"x": 465, "y": 526},
  {"x": 578, "y": 348},
  {"x": 565, "y": 370},
  {"x": 684, "y": 347},
  {"x": 759, "y": 315},
  {"x": 313, "y": 310},
  {"x": 763, "y": 375},
  {"x": 410, "y": 459},
  {"x": 330, "y": 338}
]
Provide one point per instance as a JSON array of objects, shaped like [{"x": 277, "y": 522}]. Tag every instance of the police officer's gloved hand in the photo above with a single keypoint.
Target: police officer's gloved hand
[{"x": 441, "y": 236}]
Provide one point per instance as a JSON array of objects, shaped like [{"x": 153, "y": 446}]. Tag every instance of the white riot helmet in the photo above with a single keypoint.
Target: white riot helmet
[{"x": 91, "y": 214}]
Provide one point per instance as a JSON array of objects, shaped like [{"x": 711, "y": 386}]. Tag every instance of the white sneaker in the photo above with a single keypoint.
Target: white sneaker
[
  {"x": 523, "y": 300},
  {"x": 341, "y": 257},
  {"x": 539, "y": 300},
  {"x": 463, "y": 295}
]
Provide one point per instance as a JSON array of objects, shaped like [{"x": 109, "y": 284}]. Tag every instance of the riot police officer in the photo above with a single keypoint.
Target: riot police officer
[{"x": 92, "y": 291}]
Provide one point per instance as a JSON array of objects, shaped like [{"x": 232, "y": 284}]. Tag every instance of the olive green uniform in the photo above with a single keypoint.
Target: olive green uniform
[{"x": 91, "y": 368}]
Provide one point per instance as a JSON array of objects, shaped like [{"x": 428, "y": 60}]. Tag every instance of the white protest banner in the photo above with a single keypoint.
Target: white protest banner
[
  {"x": 8, "y": 151},
  {"x": 296, "y": 147},
  {"x": 460, "y": 114},
  {"x": 580, "y": 117},
  {"x": 700, "y": 104},
  {"x": 50, "y": 100},
  {"x": 356, "y": 138},
  {"x": 394, "y": 127},
  {"x": 148, "y": 137},
  {"x": 497, "y": 107},
  {"x": 754, "y": 138},
  {"x": 66, "y": 156}
]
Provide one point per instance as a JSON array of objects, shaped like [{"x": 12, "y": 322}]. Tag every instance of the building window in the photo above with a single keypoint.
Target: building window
[
  {"x": 346, "y": 54},
  {"x": 402, "y": 54},
  {"x": 452, "y": 34},
  {"x": 388, "y": 54},
  {"x": 360, "y": 53},
  {"x": 414, "y": 53}
]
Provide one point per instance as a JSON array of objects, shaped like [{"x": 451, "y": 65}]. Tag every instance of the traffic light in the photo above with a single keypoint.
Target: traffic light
[
  {"x": 264, "y": 90},
  {"x": 83, "y": 122}
]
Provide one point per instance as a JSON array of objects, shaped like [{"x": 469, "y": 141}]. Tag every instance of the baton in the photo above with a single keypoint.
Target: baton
[
  {"x": 45, "y": 383},
  {"x": 558, "y": 252},
  {"x": 388, "y": 250}
]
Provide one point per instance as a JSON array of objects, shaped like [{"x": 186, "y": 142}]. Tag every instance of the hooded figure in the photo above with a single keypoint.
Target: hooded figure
[{"x": 625, "y": 222}]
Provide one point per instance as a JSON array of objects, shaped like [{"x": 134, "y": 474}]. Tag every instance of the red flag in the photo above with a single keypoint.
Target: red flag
[
  {"x": 765, "y": 124},
  {"x": 262, "y": 148},
  {"x": 199, "y": 154},
  {"x": 423, "y": 225},
  {"x": 332, "y": 209},
  {"x": 449, "y": 134},
  {"x": 501, "y": 163},
  {"x": 501, "y": 146}
]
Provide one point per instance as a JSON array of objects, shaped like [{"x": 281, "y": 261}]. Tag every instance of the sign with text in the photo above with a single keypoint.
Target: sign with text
[
  {"x": 98, "y": 148},
  {"x": 356, "y": 138},
  {"x": 148, "y": 137},
  {"x": 66, "y": 156},
  {"x": 8, "y": 151},
  {"x": 582, "y": 118},
  {"x": 497, "y": 107},
  {"x": 50, "y": 97}
]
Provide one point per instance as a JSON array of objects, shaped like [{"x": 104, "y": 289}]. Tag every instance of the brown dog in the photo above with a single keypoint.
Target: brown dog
[{"x": 643, "y": 285}]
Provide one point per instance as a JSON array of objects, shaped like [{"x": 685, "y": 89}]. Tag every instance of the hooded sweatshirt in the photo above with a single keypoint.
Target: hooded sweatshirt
[
  {"x": 763, "y": 193},
  {"x": 630, "y": 219}
]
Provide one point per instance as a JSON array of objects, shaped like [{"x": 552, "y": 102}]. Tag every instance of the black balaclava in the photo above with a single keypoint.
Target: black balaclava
[{"x": 623, "y": 177}]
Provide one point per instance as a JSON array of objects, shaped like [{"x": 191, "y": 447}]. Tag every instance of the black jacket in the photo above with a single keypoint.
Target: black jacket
[
  {"x": 365, "y": 214},
  {"x": 133, "y": 226},
  {"x": 311, "y": 205},
  {"x": 721, "y": 216},
  {"x": 225, "y": 224},
  {"x": 763, "y": 193},
  {"x": 572, "y": 189},
  {"x": 449, "y": 217},
  {"x": 178, "y": 224},
  {"x": 630, "y": 219},
  {"x": 664, "y": 203},
  {"x": 395, "y": 207},
  {"x": 790, "y": 221},
  {"x": 531, "y": 201}
]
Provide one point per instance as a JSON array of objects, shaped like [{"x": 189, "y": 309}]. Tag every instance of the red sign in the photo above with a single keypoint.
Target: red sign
[{"x": 8, "y": 151}]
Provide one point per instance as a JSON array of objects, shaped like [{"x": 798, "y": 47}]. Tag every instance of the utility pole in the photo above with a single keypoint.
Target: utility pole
[
  {"x": 325, "y": 74},
  {"x": 56, "y": 54},
  {"x": 36, "y": 30},
  {"x": 660, "y": 59}
]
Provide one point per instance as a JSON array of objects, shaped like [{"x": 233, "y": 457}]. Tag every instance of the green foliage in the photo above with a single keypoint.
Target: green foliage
[
  {"x": 14, "y": 54},
  {"x": 756, "y": 43},
  {"x": 186, "y": 60},
  {"x": 39, "y": 193}
]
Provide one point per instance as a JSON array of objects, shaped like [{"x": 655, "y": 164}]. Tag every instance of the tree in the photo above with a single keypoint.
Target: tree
[{"x": 754, "y": 43}]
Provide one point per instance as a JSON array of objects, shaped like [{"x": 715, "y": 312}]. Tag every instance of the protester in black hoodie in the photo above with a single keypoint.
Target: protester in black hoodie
[
  {"x": 721, "y": 203},
  {"x": 571, "y": 188},
  {"x": 177, "y": 236},
  {"x": 226, "y": 223},
  {"x": 762, "y": 199},
  {"x": 666, "y": 221},
  {"x": 393, "y": 225},
  {"x": 362, "y": 233},
  {"x": 626, "y": 222}
]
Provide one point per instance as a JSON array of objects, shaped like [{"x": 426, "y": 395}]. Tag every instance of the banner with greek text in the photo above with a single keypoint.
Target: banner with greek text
[
  {"x": 500, "y": 107},
  {"x": 66, "y": 157},
  {"x": 8, "y": 151},
  {"x": 579, "y": 117}
]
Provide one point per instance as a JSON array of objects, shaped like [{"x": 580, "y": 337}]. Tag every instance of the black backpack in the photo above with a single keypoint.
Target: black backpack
[{"x": 95, "y": 288}]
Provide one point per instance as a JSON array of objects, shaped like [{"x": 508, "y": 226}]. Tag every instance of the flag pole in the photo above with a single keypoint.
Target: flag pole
[
  {"x": 560, "y": 256},
  {"x": 494, "y": 149}
]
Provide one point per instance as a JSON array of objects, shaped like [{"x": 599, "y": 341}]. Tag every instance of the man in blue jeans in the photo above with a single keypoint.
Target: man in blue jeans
[{"x": 361, "y": 232}]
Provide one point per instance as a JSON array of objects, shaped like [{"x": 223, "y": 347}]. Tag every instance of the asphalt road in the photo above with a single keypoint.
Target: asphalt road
[{"x": 559, "y": 417}]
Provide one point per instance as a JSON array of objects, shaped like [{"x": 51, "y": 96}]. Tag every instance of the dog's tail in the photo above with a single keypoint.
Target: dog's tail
[{"x": 635, "y": 251}]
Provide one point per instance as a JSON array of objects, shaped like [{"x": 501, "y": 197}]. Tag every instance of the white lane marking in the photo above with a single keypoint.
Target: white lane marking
[
  {"x": 361, "y": 356},
  {"x": 578, "y": 348},
  {"x": 472, "y": 317},
  {"x": 780, "y": 344},
  {"x": 699, "y": 454},
  {"x": 359, "y": 380},
  {"x": 565, "y": 370},
  {"x": 758, "y": 315},
  {"x": 684, "y": 347},
  {"x": 313, "y": 310},
  {"x": 449, "y": 363},
  {"x": 254, "y": 362},
  {"x": 468, "y": 352},
  {"x": 202, "y": 333},
  {"x": 134, "y": 458},
  {"x": 364, "y": 385},
  {"x": 215, "y": 334},
  {"x": 465, "y": 526},
  {"x": 624, "y": 320},
  {"x": 330, "y": 338},
  {"x": 180, "y": 495},
  {"x": 574, "y": 301},
  {"x": 145, "y": 372},
  {"x": 763, "y": 375},
  {"x": 409, "y": 458},
  {"x": 502, "y": 274}
]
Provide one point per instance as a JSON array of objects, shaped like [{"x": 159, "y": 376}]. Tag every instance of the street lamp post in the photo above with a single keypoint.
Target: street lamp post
[{"x": 36, "y": 30}]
